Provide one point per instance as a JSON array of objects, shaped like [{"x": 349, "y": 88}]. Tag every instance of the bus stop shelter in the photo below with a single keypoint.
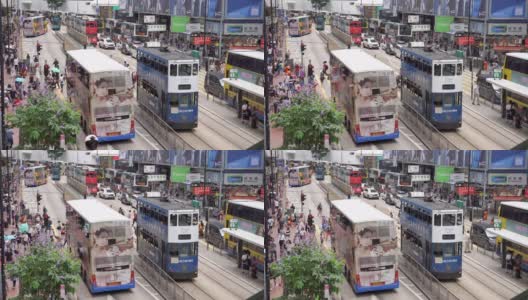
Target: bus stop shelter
[
  {"x": 511, "y": 86},
  {"x": 234, "y": 90},
  {"x": 511, "y": 239},
  {"x": 242, "y": 237}
]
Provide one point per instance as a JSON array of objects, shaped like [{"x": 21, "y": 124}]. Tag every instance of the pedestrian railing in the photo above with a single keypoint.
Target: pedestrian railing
[
  {"x": 162, "y": 282},
  {"x": 424, "y": 280}
]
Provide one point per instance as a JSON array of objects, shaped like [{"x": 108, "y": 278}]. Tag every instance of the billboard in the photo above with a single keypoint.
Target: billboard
[
  {"x": 179, "y": 23},
  {"x": 443, "y": 174},
  {"x": 214, "y": 159},
  {"x": 214, "y": 10},
  {"x": 507, "y": 8},
  {"x": 507, "y": 159},
  {"x": 443, "y": 23},
  {"x": 479, "y": 8},
  {"x": 244, "y": 159},
  {"x": 179, "y": 174},
  {"x": 244, "y": 9}
]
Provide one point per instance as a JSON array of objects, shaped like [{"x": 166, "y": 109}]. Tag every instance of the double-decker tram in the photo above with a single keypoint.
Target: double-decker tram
[
  {"x": 299, "y": 176},
  {"x": 320, "y": 21},
  {"x": 347, "y": 29},
  {"x": 56, "y": 22},
  {"x": 320, "y": 171},
  {"x": 367, "y": 240},
  {"x": 83, "y": 179},
  {"x": 348, "y": 179},
  {"x": 432, "y": 86},
  {"x": 432, "y": 235},
  {"x": 299, "y": 26},
  {"x": 244, "y": 229},
  {"x": 34, "y": 26},
  {"x": 168, "y": 236},
  {"x": 102, "y": 89},
  {"x": 83, "y": 29},
  {"x": 35, "y": 176},
  {"x": 102, "y": 239},
  {"x": 365, "y": 89},
  {"x": 168, "y": 86}
]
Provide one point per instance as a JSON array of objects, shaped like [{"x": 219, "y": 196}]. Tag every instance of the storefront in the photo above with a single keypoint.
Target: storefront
[
  {"x": 243, "y": 186},
  {"x": 506, "y": 187}
]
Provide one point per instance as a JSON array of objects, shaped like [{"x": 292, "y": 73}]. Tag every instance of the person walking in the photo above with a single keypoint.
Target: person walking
[{"x": 476, "y": 95}]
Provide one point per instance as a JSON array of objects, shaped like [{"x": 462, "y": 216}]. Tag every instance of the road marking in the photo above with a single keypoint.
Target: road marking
[
  {"x": 148, "y": 291},
  {"x": 410, "y": 139},
  {"x": 145, "y": 138}
]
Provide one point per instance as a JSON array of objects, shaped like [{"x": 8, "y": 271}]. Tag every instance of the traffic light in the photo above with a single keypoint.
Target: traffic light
[
  {"x": 303, "y": 197},
  {"x": 303, "y": 47},
  {"x": 39, "y": 198}
]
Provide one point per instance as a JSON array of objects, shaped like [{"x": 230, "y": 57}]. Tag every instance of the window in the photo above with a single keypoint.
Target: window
[
  {"x": 449, "y": 249},
  {"x": 174, "y": 219},
  {"x": 448, "y": 220},
  {"x": 459, "y": 69},
  {"x": 437, "y": 70},
  {"x": 184, "y": 70},
  {"x": 184, "y": 220},
  {"x": 448, "y": 70},
  {"x": 195, "y": 69},
  {"x": 195, "y": 219},
  {"x": 437, "y": 220},
  {"x": 437, "y": 98},
  {"x": 459, "y": 219},
  {"x": 517, "y": 64},
  {"x": 437, "y": 250},
  {"x": 173, "y": 70},
  {"x": 449, "y": 99}
]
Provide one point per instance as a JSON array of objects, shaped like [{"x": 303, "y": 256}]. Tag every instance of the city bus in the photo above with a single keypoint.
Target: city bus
[
  {"x": 34, "y": 26},
  {"x": 248, "y": 87},
  {"x": 102, "y": 239},
  {"x": 347, "y": 29},
  {"x": 432, "y": 86},
  {"x": 83, "y": 29},
  {"x": 299, "y": 176},
  {"x": 367, "y": 240},
  {"x": 247, "y": 233},
  {"x": 56, "y": 22},
  {"x": 168, "y": 86},
  {"x": 168, "y": 236},
  {"x": 348, "y": 179},
  {"x": 432, "y": 235},
  {"x": 516, "y": 92},
  {"x": 510, "y": 230},
  {"x": 102, "y": 90},
  {"x": 83, "y": 179},
  {"x": 320, "y": 21},
  {"x": 35, "y": 176},
  {"x": 365, "y": 89},
  {"x": 299, "y": 26}
]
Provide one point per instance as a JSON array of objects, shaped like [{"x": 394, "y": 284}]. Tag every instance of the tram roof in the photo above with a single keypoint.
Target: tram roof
[
  {"x": 359, "y": 212},
  {"x": 246, "y": 236},
  {"x": 431, "y": 55},
  {"x": 516, "y": 204},
  {"x": 245, "y": 86},
  {"x": 94, "y": 61},
  {"x": 521, "y": 55},
  {"x": 510, "y": 236},
  {"x": 94, "y": 211},
  {"x": 509, "y": 86},
  {"x": 176, "y": 204},
  {"x": 430, "y": 206},
  {"x": 359, "y": 61},
  {"x": 170, "y": 55},
  {"x": 249, "y": 203}
]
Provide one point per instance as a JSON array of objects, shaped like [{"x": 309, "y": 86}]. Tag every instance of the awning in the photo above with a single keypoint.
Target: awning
[
  {"x": 246, "y": 236},
  {"x": 245, "y": 86},
  {"x": 510, "y": 236},
  {"x": 510, "y": 86}
]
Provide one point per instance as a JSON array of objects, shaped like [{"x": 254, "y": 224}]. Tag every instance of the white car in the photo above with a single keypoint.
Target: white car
[
  {"x": 370, "y": 193},
  {"x": 106, "y": 193},
  {"x": 370, "y": 43},
  {"x": 106, "y": 44}
]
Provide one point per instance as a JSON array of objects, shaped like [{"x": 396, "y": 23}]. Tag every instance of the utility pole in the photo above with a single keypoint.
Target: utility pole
[
  {"x": 470, "y": 53},
  {"x": 204, "y": 202},
  {"x": 2, "y": 240},
  {"x": 205, "y": 38}
]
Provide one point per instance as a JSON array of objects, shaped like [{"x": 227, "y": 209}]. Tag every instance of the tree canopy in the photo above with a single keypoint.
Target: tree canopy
[
  {"x": 306, "y": 271},
  {"x": 319, "y": 4},
  {"x": 306, "y": 122},
  {"x": 42, "y": 122},
  {"x": 55, "y": 4},
  {"x": 43, "y": 270}
]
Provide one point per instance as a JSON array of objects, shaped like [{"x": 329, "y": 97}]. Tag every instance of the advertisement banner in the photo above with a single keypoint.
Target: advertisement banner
[
  {"x": 443, "y": 23},
  {"x": 194, "y": 177},
  {"x": 507, "y": 29},
  {"x": 178, "y": 23},
  {"x": 156, "y": 178},
  {"x": 420, "y": 178},
  {"x": 243, "y": 179},
  {"x": 193, "y": 27},
  {"x": 443, "y": 174},
  {"x": 156, "y": 27},
  {"x": 244, "y": 159},
  {"x": 149, "y": 19},
  {"x": 458, "y": 27},
  {"x": 214, "y": 10},
  {"x": 149, "y": 169},
  {"x": 244, "y": 9},
  {"x": 420, "y": 27},
  {"x": 507, "y": 159},
  {"x": 465, "y": 190},
  {"x": 457, "y": 177},
  {"x": 179, "y": 174},
  {"x": 506, "y": 193},
  {"x": 215, "y": 159},
  {"x": 507, "y": 8},
  {"x": 413, "y": 169},
  {"x": 464, "y": 40},
  {"x": 479, "y": 8},
  {"x": 243, "y": 29},
  {"x": 507, "y": 178},
  {"x": 413, "y": 19},
  {"x": 201, "y": 190},
  {"x": 479, "y": 159}
]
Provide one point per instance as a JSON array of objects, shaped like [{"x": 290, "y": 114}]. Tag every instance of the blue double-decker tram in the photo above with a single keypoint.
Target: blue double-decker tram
[
  {"x": 320, "y": 171},
  {"x": 432, "y": 234},
  {"x": 168, "y": 236},
  {"x": 432, "y": 86},
  {"x": 167, "y": 86}
]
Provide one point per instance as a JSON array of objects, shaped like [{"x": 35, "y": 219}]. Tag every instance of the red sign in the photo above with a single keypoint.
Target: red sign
[
  {"x": 507, "y": 48},
  {"x": 463, "y": 190},
  {"x": 199, "y": 40},
  {"x": 463, "y": 40},
  {"x": 355, "y": 180},
  {"x": 507, "y": 198},
  {"x": 199, "y": 190},
  {"x": 526, "y": 42}
]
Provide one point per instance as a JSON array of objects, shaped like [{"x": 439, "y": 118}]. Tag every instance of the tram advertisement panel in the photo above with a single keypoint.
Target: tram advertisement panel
[{"x": 376, "y": 102}]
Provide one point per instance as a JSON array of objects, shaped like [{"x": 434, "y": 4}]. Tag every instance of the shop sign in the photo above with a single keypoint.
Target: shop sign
[
  {"x": 457, "y": 177},
  {"x": 420, "y": 27},
  {"x": 465, "y": 40},
  {"x": 194, "y": 177},
  {"x": 149, "y": 19},
  {"x": 149, "y": 169},
  {"x": 413, "y": 19},
  {"x": 153, "y": 194},
  {"x": 243, "y": 29},
  {"x": 464, "y": 190},
  {"x": 156, "y": 28},
  {"x": 507, "y": 179},
  {"x": 199, "y": 40},
  {"x": 443, "y": 23},
  {"x": 507, "y": 29},
  {"x": 243, "y": 179},
  {"x": 413, "y": 169},
  {"x": 201, "y": 190},
  {"x": 477, "y": 177},
  {"x": 420, "y": 178},
  {"x": 156, "y": 177},
  {"x": 193, "y": 27},
  {"x": 443, "y": 173},
  {"x": 179, "y": 174},
  {"x": 458, "y": 27},
  {"x": 213, "y": 177}
]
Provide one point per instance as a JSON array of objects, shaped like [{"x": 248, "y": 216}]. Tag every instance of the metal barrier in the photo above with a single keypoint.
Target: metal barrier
[
  {"x": 424, "y": 130},
  {"x": 162, "y": 282},
  {"x": 424, "y": 280},
  {"x": 162, "y": 132},
  {"x": 331, "y": 43}
]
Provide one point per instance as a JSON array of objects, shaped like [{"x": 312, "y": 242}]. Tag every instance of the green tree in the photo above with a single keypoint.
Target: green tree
[
  {"x": 43, "y": 121},
  {"x": 43, "y": 270},
  {"x": 55, "y": 4},
  {"x": 317, "y": 4},
  {"x": 306, "y": 271},
  {"x": 306, "y": 122}
]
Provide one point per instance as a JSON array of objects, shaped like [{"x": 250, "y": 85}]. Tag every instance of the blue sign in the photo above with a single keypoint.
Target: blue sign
[
  {"x": 508, "y": 159},
  {"x": 478, "y": 159},
  {"x": 244, "y": 9},
  {"x": 244, "y": 159},
  {"x": 214, "y": 159},
  {"x": 507, "y": 8}
]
